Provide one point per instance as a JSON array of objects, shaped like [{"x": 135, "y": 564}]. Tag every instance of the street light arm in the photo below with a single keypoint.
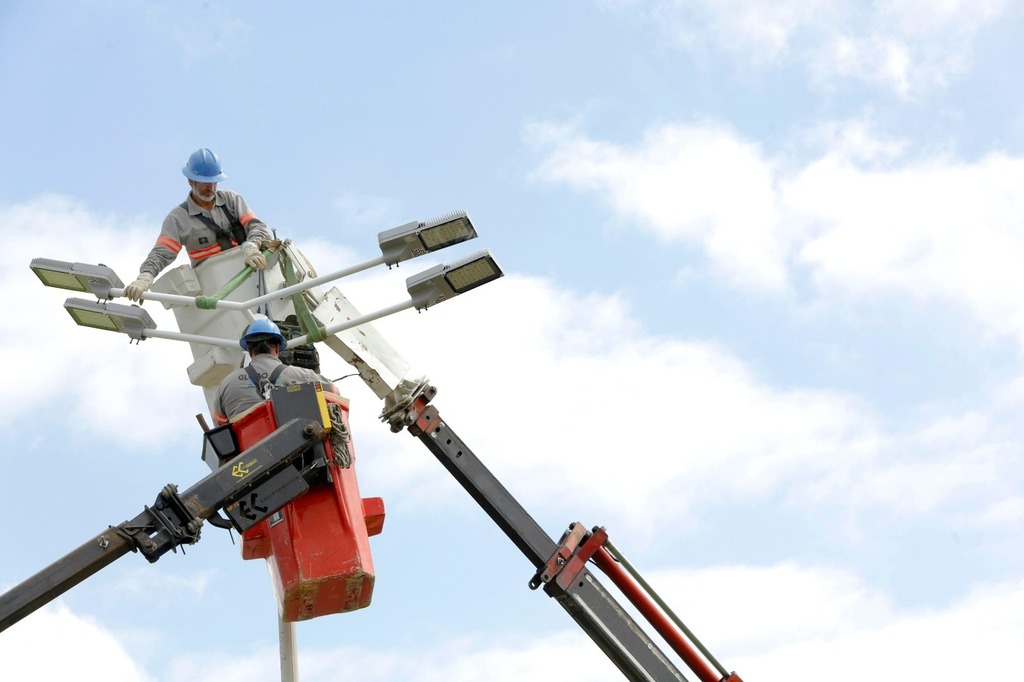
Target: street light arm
[{"x": 355, "y": 322}]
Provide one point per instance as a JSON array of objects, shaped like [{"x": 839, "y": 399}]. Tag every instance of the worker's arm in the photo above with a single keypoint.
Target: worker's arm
[
  {"x": 256, "y": 230},
  {"x": 160, "y": 256},
  {"x": 217, "y": 410}
]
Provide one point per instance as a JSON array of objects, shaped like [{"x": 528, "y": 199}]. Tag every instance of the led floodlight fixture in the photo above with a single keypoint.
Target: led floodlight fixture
[
  {"x": 446, "y": 281},
  {"x": 130, "y": 319},
  {"x": 415, "y": 239},
  {"x": 98, "y": 279}
]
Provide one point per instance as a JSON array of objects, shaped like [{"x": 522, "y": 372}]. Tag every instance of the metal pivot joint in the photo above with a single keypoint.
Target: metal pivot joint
[
  {"x": 174, "y": 518},
  {"x": 162, "y": 527},
  {"x": 564, "y": 567}
]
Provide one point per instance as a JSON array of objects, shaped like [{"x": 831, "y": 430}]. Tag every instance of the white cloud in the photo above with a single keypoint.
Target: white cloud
[
  {"x": 907, "y": 46},
  {"x": 460, "y": 658},
  {"x": 1007, "y": 512},
  {"x": 782, "y": 622},
  {"x": 760, "y": 29},
  {"x": 962, "y": 458},
  {"x": 978, "y": 637},
  {"x": 792, "y": 621},
  {"x": 263, "y": 666},
  {"x": 779, "y": 622},
  {"x": 860, "y": 219},
  {"x": 729, "y": 606},
  {"x": 699, "y": 183},
  {"x": 857, "y": 141},
  {"x": 785, "y": 621},
  {"x": 930, "y": 229},
  {"x": 55, "y": 644}
]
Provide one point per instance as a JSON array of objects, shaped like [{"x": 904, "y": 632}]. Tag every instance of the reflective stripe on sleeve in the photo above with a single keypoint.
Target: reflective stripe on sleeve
[
  {"x": 244, "y": 219},
  {"x": 167, "y": 242},
  {"x": 201, "y": 254}
]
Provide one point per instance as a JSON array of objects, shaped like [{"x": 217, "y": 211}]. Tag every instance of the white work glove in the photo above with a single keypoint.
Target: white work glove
[
  {"x": 253, "y": 258},
  {"x": 135, "y": 290}
]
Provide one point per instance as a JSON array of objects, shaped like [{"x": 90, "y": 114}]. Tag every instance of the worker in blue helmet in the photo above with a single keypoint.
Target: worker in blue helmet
[
  {"x": 208, "y": 222},
  {"x": 251, "y": 385}
]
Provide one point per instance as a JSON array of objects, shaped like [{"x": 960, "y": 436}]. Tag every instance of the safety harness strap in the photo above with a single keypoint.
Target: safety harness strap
[
  {"x": 224, "y": 237},
  {"x": 262, "y": 385}
]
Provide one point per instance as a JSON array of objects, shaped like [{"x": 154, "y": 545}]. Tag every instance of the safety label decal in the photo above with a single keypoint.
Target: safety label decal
[{"x": 242, "y": 469}]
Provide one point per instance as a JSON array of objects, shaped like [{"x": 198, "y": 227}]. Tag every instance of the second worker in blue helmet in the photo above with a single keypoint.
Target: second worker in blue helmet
[
  {"x": 208, "y": 222},
  {"x": 250, "y": 385}
]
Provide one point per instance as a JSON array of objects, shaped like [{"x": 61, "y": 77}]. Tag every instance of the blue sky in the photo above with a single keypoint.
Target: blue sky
[{"x": 761, "y": 319}]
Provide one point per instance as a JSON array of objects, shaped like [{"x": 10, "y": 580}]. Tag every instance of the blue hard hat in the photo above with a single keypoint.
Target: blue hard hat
[
  {"x": 261, "y": 328},
  {"x": 203, "y": 166}
]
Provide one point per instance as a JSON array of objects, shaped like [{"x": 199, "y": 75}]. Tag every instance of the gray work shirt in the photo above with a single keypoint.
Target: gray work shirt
[
  {"x": 236, "y": 392},
  {"x": 183, "y": 228}
]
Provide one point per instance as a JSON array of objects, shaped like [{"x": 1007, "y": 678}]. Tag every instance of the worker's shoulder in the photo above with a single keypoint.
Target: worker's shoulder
[
  {"x": 300, "y": 374},
  {"x": 182, "y": 216},
  {"x": 233, "y": 378},
  {"x": 178, "y": 213},
  {"x": 228, "y": 196}
]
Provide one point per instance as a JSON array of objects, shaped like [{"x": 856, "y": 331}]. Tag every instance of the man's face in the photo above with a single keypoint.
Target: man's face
[{"x": 205, "y": 191}]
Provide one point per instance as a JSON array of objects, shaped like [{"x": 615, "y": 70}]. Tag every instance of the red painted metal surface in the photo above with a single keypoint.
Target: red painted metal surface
[
  {"x": 317, "y": 547},
  {"x": 665, "y": 627}
]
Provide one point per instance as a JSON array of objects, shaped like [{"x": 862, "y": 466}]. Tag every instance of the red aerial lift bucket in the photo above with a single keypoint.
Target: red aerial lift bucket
[{"x": 317, "y": 546}]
